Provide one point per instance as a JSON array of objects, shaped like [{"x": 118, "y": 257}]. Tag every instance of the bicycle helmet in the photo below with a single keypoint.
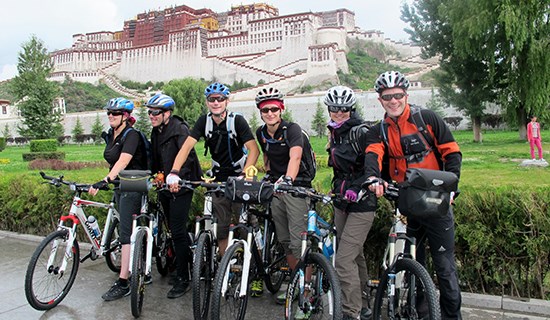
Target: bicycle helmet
[
  {"x": 161, "y": 101},
  {"x": 340, "y": 96},
  {"x": 218, "y": 88},
  {"x": 120, "y": 104},
  {"x": 391, "y": 79},
  {"x": 269, "y": 94}
]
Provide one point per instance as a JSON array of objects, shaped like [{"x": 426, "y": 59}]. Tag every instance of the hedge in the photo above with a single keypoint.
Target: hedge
[
  {"x": 29, "y": 156},
  {"x": 2, "y": 143},
  {"x": 502, "y": 233},
  {"x": 43, "y": 145}
]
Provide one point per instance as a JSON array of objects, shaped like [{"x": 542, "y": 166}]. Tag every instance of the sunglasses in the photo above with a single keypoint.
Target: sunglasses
[
  {"x": 219, "y": 99},
  {"x": 396, "y": 96},
  {"x": 272, "y": 109},
  {"x": 114, "y": 113},
  {"x": 155, "y": 112},
  {"x": 335, "y": 109}
]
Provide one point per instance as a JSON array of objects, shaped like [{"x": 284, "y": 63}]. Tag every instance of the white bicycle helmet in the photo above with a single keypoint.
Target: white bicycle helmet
[
  {"x": 340, "y": 96},
  {"x": 268, "y": 94},
  {"x": 391, "y": 79}
]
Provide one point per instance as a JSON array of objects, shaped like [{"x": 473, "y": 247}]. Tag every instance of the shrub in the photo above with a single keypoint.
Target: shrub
[
  {"x": 2, "y": 143},
  {"x": 29, "y": 156},
  {"x": 43, "y": 145},
  {"x": 56, "y": 164}
]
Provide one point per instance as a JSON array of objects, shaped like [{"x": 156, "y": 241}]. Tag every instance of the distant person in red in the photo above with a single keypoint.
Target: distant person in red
[{"x": 533, "y": 135}]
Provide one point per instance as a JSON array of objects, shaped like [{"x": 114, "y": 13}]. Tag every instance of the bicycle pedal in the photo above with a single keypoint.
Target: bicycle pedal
[
  {"x": 236, "y": 268},
  {"x": 373, "y": 283}
]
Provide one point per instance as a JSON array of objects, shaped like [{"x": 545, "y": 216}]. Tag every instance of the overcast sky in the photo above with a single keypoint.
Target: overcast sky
[{"x": 55, "y": 21}]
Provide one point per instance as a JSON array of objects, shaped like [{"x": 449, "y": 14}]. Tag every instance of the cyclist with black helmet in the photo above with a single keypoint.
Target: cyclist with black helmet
[
  {"x": 282, "y": 146},
  {"x": 124, "y": 150},
  {"x": 353, "y": 219},
  {"x": 168, "y": 135},
  {"x": 231, "y": 152},
  {"x": 418, "y": 138}
]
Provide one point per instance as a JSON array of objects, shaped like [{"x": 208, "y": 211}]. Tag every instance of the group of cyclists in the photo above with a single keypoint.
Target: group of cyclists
[{"x": 356, "y": 152}]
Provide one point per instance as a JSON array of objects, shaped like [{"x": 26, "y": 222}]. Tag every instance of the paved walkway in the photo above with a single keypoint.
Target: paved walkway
[{"x": 94, "y": 278}]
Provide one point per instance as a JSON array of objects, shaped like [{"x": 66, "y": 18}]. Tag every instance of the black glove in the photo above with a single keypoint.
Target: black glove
[{"x": 101, "y": 185}]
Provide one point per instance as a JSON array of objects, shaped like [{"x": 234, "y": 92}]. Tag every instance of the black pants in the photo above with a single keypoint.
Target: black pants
[
  {"x": 176, "y": 208},
  {"x": 440, "y": 233}
]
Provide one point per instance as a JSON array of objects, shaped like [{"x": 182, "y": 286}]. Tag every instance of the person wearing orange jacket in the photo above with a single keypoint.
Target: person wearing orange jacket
[{"x": 406, "y": 143}]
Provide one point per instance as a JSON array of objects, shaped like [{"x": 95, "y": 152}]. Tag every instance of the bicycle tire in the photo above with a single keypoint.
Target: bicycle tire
[
  {"x": 165, "y": 255},
  {"x": 203, "y": 276},
  {"x": 402, "y": 309},
  {"x": 113, "y": 250},
  {"x": 324, "y": 299},
  {"x": 137, "y": 280},
  {"x": 44, "y": 288},
  {"x": 230, "y": 306},
  {"x": 277, "y": 266}
]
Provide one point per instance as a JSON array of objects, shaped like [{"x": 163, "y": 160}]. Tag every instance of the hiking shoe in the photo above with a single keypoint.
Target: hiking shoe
[
  {"x": 148, "y": 279},
  {"x": 366, "y": 313},
  {"x": 300, "y": 315},
  {"x": 257, "y": 288},
  {"x": 281, "y": 298},
  {"x": 179, "y": 289},
  {"x": 117, "y": 291}
]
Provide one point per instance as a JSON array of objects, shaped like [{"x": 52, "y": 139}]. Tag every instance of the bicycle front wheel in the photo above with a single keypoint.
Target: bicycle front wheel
[
  {"x": 406, "y": 292},
  {"x": 113, "y": 251},
  {"x": 203, "y": 275},
  {"x": 321, "y": 296},
  {"x": 229, "y": 304},
  {"x": 45, "y": 285},
  {"x": 137, "y": 281},
  {"x": 277, "y": 268},
  {"x": 165, "y": 253}
]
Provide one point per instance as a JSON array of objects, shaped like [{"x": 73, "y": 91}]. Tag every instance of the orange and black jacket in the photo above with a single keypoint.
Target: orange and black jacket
[{"x": 407, "y": 147}]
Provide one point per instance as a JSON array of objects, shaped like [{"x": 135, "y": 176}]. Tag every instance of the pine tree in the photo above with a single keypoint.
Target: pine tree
[
  {"x": 287, "y": 116},
  {"x": 436, "y": 104},
  {"x": 6, "y": 133},
  {"x": 97, "y": 129},
  {"x": 254, "y": 122},
  {"x": 143, "y": 123},
  {"x": 319, "y": 123},
  {"x": 78, "y": 131}
]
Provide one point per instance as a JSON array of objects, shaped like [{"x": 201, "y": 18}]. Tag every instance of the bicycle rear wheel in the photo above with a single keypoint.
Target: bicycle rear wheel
[
  {"x": 113, "y": 251},
  {"x": 231, "y": 305},
  {"x": 322, "y": 299},
  {"x": 45, "y": 286},
  {"x": 165, "y": 253},
  {"x": 137, "y": 280},
  {"x": 403, "y": 299},
  {"x": 203, "y": 276},
  {"x": 277, "y": 266}
]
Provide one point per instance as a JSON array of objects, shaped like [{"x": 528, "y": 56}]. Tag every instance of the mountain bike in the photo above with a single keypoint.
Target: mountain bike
[
  {"x": 404, "y": 281},
  {"x": 150, "y": 237},
  {"x": 249, "y": 254},
  {"x": 53, "y": 266},
  {"x": 314, "y": 290}
]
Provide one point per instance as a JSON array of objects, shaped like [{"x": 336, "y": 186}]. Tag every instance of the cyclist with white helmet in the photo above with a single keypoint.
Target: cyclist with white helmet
[
  {"x": 168, "y": 135},
  {"x": 417, "y": 138},
  {"x": 353, "y": 219},
  {"x": 124, "y": 150},
  {"x": 226, "y": 149},
  {"x": 282, "y": 146}
]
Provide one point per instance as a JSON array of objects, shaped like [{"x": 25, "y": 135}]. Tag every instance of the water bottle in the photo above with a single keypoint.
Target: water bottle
[
  {"x": 258, "y": 238},
  {"x": 155, "y": 226},
  {"x": 311, "y": 221},
  {"x": 328, "y": 249},
  {"x": 92, "y": 222}
]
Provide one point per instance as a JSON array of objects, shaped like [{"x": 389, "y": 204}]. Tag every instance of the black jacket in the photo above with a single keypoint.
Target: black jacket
[
  {"x": 166, "y": 142},
  {"x": 348, "y": 166}
]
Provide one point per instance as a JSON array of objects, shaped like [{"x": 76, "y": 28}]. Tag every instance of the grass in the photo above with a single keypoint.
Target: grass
[{"x": 493, "y": 162}]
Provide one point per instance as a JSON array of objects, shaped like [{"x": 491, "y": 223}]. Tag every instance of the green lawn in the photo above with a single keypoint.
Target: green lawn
[{"x": 494, "y": 162}]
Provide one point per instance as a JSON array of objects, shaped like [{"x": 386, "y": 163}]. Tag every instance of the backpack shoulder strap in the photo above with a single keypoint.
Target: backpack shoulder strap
[
  {"x": 230, "y": 125},
  {"x": 355, "y": 134},
  {"x": 419, "y": 122}
]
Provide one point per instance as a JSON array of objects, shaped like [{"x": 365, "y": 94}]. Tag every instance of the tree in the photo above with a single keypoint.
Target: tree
[
  {"x": 6, "y": 133},
  {"x": 287, "y": 115},
  {"x": 143, "y": 123},
  {"x": 78, "y": 131},
  {"x": 436, "y": 104},
  {"x": 35, "y": 94},
  {"x": 319, "y": 123},
  {"x": 188, "y": 94},
  {"x": 254, "y": 123},
  {"x": 97, "y": 129}
]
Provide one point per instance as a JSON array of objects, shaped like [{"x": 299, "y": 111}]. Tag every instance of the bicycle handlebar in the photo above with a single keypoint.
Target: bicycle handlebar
[
  {"x": 391, "y": 190},
  {"x": 304, "y": 192},
  {"x": 58, "y": 181}
]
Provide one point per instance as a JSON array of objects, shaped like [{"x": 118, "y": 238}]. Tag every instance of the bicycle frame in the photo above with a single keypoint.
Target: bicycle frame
[{"x": 148, "y": 229}]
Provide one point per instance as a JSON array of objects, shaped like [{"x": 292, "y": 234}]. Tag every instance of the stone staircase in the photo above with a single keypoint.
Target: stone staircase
[{"x": 113, "y": 83}]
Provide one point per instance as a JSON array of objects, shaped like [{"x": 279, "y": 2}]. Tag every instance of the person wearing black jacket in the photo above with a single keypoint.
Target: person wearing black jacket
[
  {"x": 168, "y": 135},
  {"x": 353, "y": 218}
]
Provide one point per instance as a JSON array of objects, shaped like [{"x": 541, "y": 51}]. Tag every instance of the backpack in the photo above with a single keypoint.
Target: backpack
[
  {"x": 354, "y": 134},
  {"x": 231, "y": 135},
  {"x": 146, "y": 143},
  {"x": 420, "y": 124},
  {"x": 308, "y": 164}
]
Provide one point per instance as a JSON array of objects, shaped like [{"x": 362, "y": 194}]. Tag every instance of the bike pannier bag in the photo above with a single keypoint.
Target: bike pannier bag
[
  {"x": 135, "y": 180},
  {"x": 251, "y": 192},
  {"x": 426, "y": 193}
]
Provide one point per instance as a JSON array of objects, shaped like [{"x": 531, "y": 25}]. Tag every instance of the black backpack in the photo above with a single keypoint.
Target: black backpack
[{"x": 146, "y": 143}]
